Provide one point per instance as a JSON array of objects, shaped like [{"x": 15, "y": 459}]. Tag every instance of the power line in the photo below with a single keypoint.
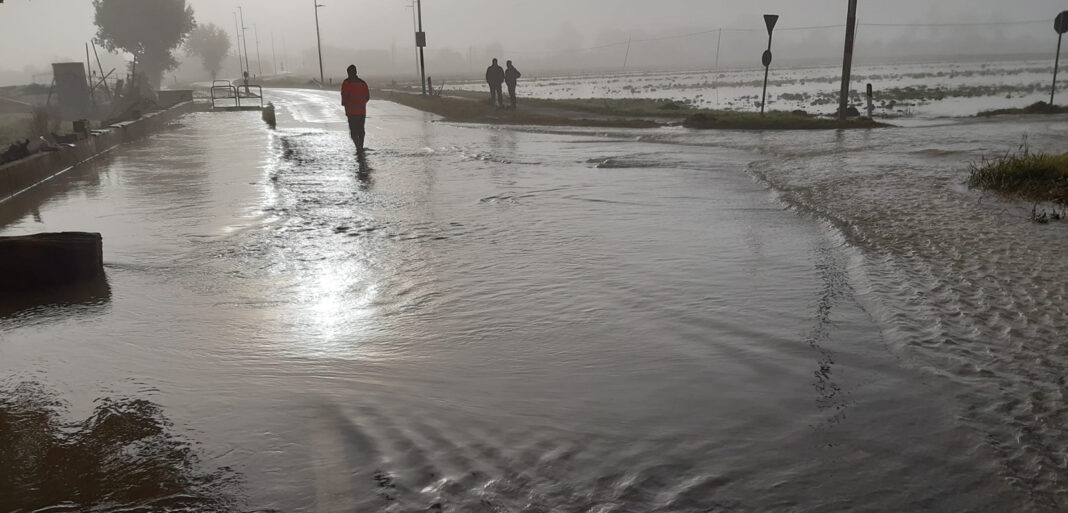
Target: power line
[
  {"x": 782, "y": 29},
  {"x": 974, "y": 24}
]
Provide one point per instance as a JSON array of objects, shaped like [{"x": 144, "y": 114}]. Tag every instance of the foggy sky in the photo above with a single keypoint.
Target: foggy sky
[{"x": 37, "y": 32}]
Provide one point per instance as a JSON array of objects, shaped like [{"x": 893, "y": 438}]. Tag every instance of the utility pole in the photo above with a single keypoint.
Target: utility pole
[
  {"x": 420, "y": 40},
  {"x": 319, "y": 42},
  {"x": 626, "y": 56},
  {"x": 259, "y": 61},
  {"x": 274, "y": 56},
  {"x": 243, "y": 38},
  {"x": 847, "y": 63},
  {"x": 285, "y": 55}
]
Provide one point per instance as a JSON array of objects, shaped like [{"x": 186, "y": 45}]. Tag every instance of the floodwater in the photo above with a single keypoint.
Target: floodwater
[
  {"x": 473, "y": 318},
  {"x": 922, "y": 90}
]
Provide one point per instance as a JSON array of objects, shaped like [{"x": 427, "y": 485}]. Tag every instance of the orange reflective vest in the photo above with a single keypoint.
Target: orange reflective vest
[{"x": 354, "y": 96}]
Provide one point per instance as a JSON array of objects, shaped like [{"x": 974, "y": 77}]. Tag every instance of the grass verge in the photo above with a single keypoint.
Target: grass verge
[
  {"x": 469, "y": 106},
  {"x": 1038, "y": 178},
  {"x": 1034, "y": 108},
  {"x": 471, "y": 110},
  {"x": 774, "y": 120}
]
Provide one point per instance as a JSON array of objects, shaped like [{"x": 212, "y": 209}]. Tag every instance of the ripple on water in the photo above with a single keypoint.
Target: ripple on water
[{"x": 962, "y": 284}]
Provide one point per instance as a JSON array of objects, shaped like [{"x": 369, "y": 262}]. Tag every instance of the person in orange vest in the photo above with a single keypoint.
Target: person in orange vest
[{"x": 354, "y": 96}]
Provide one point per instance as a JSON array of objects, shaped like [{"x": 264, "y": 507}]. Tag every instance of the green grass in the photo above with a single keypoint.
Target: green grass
[
  {"x": 1034, "y": 108},
  {"x": 1039, "y": 178}
]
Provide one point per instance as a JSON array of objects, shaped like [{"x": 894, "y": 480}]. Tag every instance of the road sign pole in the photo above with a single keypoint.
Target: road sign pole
[
  {"x": 1056, "y": 64},
  {"x": 767, "y": 69},
  {"x": 1061, "y": 26},
  {"x": 770, "y": 20}
]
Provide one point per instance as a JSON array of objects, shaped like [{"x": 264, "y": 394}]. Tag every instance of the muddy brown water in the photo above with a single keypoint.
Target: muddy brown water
[{"x": 481, "y": 319}]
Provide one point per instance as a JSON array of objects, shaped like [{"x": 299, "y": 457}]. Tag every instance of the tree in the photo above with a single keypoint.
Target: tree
[
  {"x": 211, "y": 44},
  {"x": 149, "y": 29}
]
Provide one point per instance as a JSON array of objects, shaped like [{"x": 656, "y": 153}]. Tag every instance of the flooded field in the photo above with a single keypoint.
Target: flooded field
[
  {"x": 472, "y": 318},
  {"x": 916, "y": 90}
]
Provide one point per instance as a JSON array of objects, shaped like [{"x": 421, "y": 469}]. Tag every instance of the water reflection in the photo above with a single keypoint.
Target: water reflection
[
  {"x": 91, "y": 296},
  {"x": 123, "y": 457},
  {"x": 363, "y": 172}
]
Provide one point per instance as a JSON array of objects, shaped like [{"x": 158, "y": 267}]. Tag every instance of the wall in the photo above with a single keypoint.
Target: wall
[{"x": 18, "y": 176}]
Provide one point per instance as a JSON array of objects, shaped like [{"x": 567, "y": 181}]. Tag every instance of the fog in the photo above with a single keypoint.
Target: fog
[{"x": 549, "y": 34}]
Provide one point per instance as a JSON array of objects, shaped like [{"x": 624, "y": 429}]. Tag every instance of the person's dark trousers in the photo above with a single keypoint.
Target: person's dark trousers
[
  {"x": 356, "y": 130},
  {"x": 511, "y": 94},
  {"x": 496, "y": 94}
]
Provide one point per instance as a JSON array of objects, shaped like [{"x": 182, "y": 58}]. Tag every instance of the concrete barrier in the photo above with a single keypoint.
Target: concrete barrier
[
  {"x": 18, "y": 176},
  {"x": 48, "y": 260}
]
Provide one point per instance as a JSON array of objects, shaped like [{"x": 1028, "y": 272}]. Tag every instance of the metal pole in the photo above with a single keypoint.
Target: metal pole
[
  {"x": 422, "y": 58},
  {"x": 767, "y": 68},
  {"x": 101, "y": 68},
  {"x": 274, "y": 56},
  {"x": 243, "y": 38},
  {"x": 1056, "y": 65},
  {"x": 285, "y": 54},
  {"x": 319, "y": 42},
  {"x": 415, "y": 28},
  {"x": 847, "y": 63},
  {"x": 237, "y": 43},
  {"x": 719, "y": 39},
  {"x": 259, "y": 61}
]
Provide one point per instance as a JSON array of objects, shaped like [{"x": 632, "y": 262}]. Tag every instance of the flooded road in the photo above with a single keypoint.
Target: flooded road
[{"x": 479, "y": 319}]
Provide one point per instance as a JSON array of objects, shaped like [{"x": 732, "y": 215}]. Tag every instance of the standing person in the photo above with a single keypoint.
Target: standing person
[
  {"x": 511, "y": 76},
  {"x": 354, "y": 96},
  {"x": 495, "y": 77}
]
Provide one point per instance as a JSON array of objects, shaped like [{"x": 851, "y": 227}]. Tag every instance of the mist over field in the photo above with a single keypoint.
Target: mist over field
[{"x": 551, "y": 35}]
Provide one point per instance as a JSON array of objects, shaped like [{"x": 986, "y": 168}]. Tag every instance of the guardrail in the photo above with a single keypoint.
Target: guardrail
[{"x": 224, "y": 91}]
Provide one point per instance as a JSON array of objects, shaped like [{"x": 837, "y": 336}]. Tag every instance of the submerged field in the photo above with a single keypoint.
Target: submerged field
[{"x": 901, "y": 90}]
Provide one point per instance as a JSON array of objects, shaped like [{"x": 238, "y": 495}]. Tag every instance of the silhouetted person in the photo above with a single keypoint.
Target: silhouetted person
[
  {"x": 354, "y": 96},
  {"x": 495, "y": 78},
  {"x": 511, "y": 76}
]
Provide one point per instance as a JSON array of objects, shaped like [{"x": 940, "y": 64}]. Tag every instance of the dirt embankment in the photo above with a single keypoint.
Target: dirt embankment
[
  {"x": 472, "y": 107},
  {"x": 475, "y": 108}
]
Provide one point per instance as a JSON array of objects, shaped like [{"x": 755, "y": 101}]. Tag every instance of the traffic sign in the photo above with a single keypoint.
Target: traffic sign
[
  {"x": 770, "y": 20},
  {"x": 766, "y": 58},
  {"x": 1061, "y": 23}
]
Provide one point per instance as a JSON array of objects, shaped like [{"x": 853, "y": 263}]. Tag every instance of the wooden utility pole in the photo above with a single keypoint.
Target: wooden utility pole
[
  {"x": 847, "y": 64},
  {"x": 318, "y": 42}
]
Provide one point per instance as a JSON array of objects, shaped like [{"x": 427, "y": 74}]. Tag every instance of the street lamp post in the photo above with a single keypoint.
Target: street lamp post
[
  {"x": 237, "y": 43},
  {"x": 243, "y": 38},
  {"x": 319, "y": 42},
  {"x": 259, "y": 61},
  {"x": 274, "y": 56}
]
